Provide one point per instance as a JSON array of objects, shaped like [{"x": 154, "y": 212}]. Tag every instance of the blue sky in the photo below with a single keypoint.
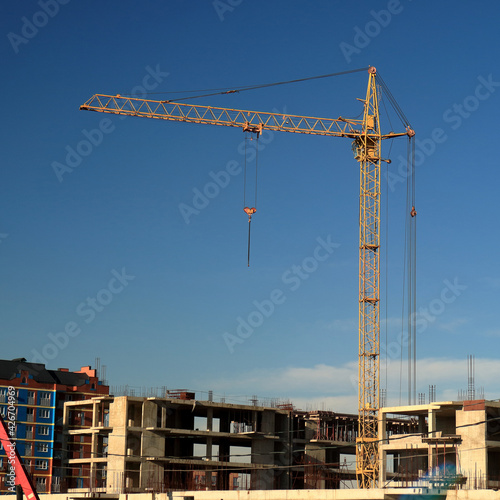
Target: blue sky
[{"x": 98, "y": 260}]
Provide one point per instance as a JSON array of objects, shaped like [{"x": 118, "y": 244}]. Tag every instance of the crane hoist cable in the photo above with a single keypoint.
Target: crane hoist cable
[
  {"x": 409, "y": 272},
  {"x": 250, "y": 210}
]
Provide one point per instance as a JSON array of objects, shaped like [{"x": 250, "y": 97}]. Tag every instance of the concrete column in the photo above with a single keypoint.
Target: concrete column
[
  {"x": 431, "y": 421},
  {"x": 117, "y": 449},
  {"x": 314, "y": 457},
  {"x": 94, "y": 439},
  {"x": 382, "y": 436},
  {"x": 262, "y": 453},
  {"x": 95, "y": 414},
  {"x": 149, "y": 414},
  {"x": 210, "y": 420}
]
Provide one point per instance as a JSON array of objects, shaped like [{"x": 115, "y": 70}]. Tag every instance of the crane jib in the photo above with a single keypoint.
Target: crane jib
[{"x": 276, "y": 122}]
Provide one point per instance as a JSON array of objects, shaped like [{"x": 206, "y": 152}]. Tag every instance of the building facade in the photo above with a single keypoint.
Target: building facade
[{"x": 39, "y": 400}]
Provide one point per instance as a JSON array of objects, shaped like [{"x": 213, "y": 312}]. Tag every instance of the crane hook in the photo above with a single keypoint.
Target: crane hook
[{"x": 413, "y": 212}]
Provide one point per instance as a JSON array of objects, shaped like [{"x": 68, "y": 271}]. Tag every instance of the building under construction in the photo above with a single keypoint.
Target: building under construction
[
  {"x": 455, "y": 443},
  {"x": 137, "y": 444}
]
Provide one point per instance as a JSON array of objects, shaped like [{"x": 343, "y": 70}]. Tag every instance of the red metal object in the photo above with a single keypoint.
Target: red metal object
[
  {"x": 250, "y": 211},
  {"x": 180, "y": 394},
  {"x": 16, "y": 472}
]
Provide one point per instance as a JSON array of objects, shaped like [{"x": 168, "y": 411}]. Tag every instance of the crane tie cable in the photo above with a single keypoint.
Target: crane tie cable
[{"x": 234, "y": 90}]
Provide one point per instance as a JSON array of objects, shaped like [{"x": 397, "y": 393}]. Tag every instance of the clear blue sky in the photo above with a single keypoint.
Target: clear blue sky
[{"x": 110, "y": 227}]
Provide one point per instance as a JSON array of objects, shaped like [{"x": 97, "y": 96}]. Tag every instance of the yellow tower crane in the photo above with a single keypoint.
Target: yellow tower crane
[{"x": 367, "y": 137}]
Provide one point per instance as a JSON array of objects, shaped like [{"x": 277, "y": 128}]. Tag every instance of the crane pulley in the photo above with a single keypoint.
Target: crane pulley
[{"x": 367, "y": 136}]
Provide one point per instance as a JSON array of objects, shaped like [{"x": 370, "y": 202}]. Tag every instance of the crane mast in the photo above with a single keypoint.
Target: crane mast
[
  {"x": 367, "y": 137},
  {"x": 368, "y": 153}
]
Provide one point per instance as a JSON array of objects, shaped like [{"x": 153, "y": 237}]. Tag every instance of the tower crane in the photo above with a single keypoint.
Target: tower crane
[{"x": 367, "y": 137}]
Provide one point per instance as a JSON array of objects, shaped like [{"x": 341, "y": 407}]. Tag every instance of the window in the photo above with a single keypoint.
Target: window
[
  {"x": 30, "y": 414},
  {"x": 44, "y": 413},
  {"x": 43, "y": 430},
  {"x": 28, "y": 449},
  {"x": 45, "y": 398},
  {"x": 31, "y": 397},
  {"x": 41, "y": 464},
  {"x": 3, "y": 411},
  {"x": 29, "y": 432},
  {"x": 41, "y": 483},
  {"x": 3, "y": 395},
  {"x": 42, "y": 447}
]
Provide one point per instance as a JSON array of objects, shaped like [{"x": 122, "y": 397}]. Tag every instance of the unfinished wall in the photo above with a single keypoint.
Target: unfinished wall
[{"x": 471, "y": 427}]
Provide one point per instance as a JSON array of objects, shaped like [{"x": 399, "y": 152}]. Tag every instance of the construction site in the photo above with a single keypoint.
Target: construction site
[
  {"x": 78, "y": 439},
  {"x": 180, "y": 446}
]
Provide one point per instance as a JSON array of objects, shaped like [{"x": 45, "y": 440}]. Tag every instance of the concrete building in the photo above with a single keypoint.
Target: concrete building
[
  {"x": 38, "y": 406},
  {"x": 456, "y": 442},
  {"x": 136, "y": 444}
]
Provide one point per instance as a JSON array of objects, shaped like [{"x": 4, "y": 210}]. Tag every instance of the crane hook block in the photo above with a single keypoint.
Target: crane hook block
[
  {"x": 250, "y": 211},
  {"x": 413, "y": 212}
]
